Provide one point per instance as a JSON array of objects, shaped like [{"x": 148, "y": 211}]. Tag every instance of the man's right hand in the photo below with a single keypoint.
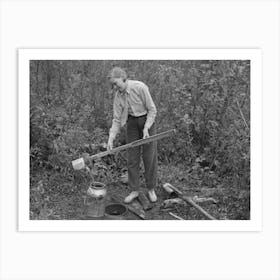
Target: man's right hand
[{"x": 110, "y": 144}]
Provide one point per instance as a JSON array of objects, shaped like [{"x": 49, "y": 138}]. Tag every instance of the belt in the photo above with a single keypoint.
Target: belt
[{"x": 130, "y": 116}]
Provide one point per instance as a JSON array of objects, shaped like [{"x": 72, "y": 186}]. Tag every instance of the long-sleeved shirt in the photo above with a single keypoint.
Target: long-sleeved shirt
[{"x": 135, "y": 100}]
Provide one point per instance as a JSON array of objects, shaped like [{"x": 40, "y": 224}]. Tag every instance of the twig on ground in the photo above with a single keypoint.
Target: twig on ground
[{"x": 175, "y": 216}]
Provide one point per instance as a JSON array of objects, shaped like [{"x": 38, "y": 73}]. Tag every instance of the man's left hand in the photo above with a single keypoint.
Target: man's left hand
[{"x": 145, "y": 133}]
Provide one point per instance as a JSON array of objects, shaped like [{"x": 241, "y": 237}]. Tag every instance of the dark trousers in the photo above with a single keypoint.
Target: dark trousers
[{"x": 135, "y": 126}]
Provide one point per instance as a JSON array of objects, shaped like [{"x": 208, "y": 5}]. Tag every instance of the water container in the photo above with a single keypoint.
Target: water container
[{"x": 95, "y": 200}]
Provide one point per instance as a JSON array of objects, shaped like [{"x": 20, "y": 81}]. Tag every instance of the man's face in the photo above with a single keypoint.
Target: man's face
[{"x": 118, "y": 84}]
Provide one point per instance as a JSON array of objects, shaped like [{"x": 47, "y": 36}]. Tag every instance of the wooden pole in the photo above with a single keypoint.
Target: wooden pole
[{"x": 133, "y": 144}]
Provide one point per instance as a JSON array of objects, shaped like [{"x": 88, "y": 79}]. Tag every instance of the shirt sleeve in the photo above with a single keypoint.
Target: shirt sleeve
[
  {"x": 150, "y": 106},
  {"x": 116, "y": 123}
]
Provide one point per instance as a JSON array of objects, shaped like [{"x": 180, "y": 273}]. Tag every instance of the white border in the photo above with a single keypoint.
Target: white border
[{"x": 25, "y": 55}]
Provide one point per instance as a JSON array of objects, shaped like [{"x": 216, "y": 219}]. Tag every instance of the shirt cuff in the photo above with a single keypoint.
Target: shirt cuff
[
  {"x": 114, "y": 130},
  {"x": 149, "y": 123}
]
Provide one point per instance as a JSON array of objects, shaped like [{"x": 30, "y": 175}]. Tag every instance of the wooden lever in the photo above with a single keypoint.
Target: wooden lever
[{"x": 80, "y": 162}]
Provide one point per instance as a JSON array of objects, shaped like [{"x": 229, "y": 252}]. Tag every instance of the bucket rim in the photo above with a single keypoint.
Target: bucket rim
[
  {"x": 97, "y": 185},
  {"x": 114, "y": 204}
]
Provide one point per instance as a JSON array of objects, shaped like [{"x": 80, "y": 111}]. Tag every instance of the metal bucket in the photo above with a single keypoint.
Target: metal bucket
[
  {"x": 115, "y": 211},
  {"x": 95, "y": 201}
]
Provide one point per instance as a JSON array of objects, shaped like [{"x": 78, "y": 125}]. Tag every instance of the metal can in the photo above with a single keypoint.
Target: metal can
[{"x": 95, "y": 201}]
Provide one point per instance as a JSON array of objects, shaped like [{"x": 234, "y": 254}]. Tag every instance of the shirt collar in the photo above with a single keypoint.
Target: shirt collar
[{"x": 126, "y": 91}]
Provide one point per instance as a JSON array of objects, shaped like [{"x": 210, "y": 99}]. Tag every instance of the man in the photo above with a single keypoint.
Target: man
[{"x": 134, "y": 106}]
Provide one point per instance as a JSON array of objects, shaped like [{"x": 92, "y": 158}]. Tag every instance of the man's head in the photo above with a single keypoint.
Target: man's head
[{"x": 118, "y": 77}]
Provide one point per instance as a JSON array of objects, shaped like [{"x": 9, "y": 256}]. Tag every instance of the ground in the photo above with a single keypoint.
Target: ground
[{"x": 57, "y": 197}]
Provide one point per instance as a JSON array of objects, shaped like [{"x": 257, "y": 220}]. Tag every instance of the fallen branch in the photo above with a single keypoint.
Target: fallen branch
[
  {"x": 175, "y": 216},
  {"x": 200, "y": 209},
  {"x": 170, "y": 188},
  {"x": 204, "y": 199},
  {"x": 170, "y": 202}
]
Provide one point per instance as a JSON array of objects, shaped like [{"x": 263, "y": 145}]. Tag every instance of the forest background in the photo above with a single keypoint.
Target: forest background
[{"x": 207, "y": 102}]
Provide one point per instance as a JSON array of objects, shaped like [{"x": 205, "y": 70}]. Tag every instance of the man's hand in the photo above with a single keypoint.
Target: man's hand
[
  {"x": 110, "y": 144},
  {"x": 145, "y": 133}
]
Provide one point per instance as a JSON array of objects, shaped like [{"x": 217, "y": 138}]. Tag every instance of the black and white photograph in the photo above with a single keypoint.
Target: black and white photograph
[
  {"x": 146, "y": 139},
  {"x": 124, "y": 139}
]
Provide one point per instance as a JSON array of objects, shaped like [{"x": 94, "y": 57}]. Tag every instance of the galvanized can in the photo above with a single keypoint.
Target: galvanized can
[{"x": 95, "y": 200}]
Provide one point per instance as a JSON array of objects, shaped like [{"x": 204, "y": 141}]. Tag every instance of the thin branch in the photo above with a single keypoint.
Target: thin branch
[
  {"x": 175, "y": 216},
  {"x": 241, "y": 113}
]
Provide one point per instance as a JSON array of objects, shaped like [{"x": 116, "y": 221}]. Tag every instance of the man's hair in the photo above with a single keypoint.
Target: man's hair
[{"x": 117, "y": 72}]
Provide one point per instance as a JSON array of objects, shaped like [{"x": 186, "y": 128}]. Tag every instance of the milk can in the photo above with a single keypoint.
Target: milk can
[{"x": 95, "y": 200}]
